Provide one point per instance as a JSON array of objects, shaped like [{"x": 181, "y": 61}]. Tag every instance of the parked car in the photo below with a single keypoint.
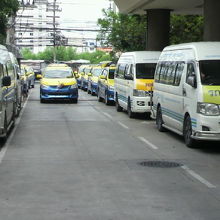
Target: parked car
[
  {"x": 18, "y": 85},
  {"x": 85, "y": 76},
  {"x": 58, "y": 82},
  {"x": 24, "y": 82},
  {"x": 7, "y": 93},
  {"x": 134, "y": 77},
  {"x": 106, "y": 85},
  {"x": 93, "y": 80},
  {"x": 187, "y": 91},
  {"x": 29, "y": 73}
]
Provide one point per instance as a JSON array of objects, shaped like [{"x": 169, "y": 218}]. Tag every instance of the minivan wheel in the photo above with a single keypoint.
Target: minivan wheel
[
  {"x": 187, "y": 132},
  {"x": 130, "y": 113},
  {"x": 117, "y": 106},
  {"x": 5, "y": 130},
  {"x": 159, "y": 120}
]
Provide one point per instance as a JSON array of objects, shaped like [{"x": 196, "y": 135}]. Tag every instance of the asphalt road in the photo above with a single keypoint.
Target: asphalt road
[{"x": 84, "y": 162}]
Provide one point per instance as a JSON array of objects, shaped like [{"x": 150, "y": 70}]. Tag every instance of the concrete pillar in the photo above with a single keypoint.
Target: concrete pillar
[
  {"x": 212, "y": 20},
  {"x": 158, "y": 28}
]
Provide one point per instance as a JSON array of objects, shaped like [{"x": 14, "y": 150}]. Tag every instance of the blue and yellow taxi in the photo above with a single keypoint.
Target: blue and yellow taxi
[
  {"x": 93, "y": 80},
  {"x": 105, "y": 89},
  {"x": 85, "y": 77},
  {"x": 58, "y": 82}
]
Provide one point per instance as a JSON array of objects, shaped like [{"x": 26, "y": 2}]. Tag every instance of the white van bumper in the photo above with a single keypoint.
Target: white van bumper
[
  {"x": 208, "y": 128},
  {"x": 141, "y": 104}
]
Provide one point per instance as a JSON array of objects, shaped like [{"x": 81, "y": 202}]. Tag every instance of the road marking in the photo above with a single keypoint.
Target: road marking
[
  {"x": 148, "y": 122},
  {"x": 107, "y": 115},
  {"x": 123, "y": 125},
  {"x": 148, "y": 143},
  {"x": 8, "y": 141},
  {"x": 198, "y": 177}
]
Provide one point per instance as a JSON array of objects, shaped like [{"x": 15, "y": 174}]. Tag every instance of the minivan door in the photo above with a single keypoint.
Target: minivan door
[{"x": 190, "y": 95}]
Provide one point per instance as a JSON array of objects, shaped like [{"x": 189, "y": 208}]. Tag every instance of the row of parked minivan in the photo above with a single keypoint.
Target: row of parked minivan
[
  {"x": 179, "y": 87},
  {"x": 14, "y": 84}
]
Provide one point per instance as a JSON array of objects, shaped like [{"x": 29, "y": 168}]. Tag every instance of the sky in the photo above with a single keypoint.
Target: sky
[{"x": 85, "y": 12}]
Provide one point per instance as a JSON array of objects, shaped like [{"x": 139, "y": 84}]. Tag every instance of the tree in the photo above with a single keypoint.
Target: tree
[
  {"x": 7, "y": 8},
  {"x": 123, "y": 32},
  {"x": 66, "y": 54},
  {"x": 128, "y": 32},
  {"x": 186, "y": 28}
]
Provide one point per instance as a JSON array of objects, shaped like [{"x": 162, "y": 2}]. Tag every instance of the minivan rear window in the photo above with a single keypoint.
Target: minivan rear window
[{"x": 145, "y": 70}]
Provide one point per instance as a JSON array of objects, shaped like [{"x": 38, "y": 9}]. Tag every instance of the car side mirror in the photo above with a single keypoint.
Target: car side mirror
[
  {"x": 77, "y": 75},
  {"x": 191, "y": 80},
  {"x": 89, "y": 74},
  {"x": 6, "y": 81}
]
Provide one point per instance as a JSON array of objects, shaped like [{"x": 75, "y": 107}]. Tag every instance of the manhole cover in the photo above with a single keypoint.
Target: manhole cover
[{"x": 160, "y": 164}]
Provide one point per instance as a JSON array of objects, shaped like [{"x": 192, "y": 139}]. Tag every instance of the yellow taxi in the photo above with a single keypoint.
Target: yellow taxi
[
  {"x": 58, "y": 82},
  {"x": 105, "y": 90},
  {"x": 93, "y": 80},
  {"x": 30, "y": 75},
  {"x": 85, "y": 76}
]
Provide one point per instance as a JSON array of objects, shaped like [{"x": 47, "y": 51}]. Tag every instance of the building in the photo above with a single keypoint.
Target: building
[{"x": 35, "y": 25}]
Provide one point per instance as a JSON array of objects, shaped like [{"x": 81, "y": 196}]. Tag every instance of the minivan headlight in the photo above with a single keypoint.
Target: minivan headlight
[{"x": 208, "y": 109}]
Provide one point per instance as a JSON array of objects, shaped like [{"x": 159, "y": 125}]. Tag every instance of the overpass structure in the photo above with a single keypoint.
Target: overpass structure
[{"x": 158, "y": 17}]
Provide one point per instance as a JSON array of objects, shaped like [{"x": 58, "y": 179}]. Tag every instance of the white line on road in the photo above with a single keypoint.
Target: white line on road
[
  {"x": 6, "y": 145},
  {"x": 148, "y": 122},
  {"x": 123, "y": 125},
  {"x": 107, "y": 115},
  {"x": 198, "y": 177},
  {"x": 148, "y": 143}
]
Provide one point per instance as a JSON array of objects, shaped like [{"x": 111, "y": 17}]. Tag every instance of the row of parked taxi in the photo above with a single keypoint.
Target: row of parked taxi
[
  {"x": 15, "y": 82},
  {"x": 179, "y": 87}
]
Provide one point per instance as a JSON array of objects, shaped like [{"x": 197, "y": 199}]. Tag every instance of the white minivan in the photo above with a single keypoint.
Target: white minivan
[
  {"x": 7, "y": 92},
  {"x": 134, "y": 76},
  {"x": 187, "y": 91}
]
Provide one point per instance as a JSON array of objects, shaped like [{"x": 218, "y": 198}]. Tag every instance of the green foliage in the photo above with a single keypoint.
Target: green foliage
[
  {"x": 65, "y": 54},
  {"x": 186, "y": 28},
  {"x": 123, "y": 32},
  {"x": 7, "y": 8}
]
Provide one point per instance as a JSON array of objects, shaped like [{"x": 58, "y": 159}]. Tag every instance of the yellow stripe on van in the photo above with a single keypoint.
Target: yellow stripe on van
[
  {"x": 144, "y": 84},
  {"x": 211, "y": 94},
  {"x": 55, "y": 82}
]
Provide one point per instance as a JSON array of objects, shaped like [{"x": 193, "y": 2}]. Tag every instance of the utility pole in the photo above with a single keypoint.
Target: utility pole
[{"x": 54, "y": 31}]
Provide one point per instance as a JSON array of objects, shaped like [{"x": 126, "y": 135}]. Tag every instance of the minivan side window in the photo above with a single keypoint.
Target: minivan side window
[
  {"x": 1, "y": 70},
  {"x": 121, "y": 71},
  {"x": 10, "y": 70},
  {"x": 179, "y": 72}
]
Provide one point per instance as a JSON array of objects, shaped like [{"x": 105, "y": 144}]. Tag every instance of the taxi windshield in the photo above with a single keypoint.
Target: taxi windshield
[
  {"x": 58, "y": 74},
  {"x": 96, "y": 72},
  {"x": 145, "y": 70},
  {"x": 210, "y": 72}
]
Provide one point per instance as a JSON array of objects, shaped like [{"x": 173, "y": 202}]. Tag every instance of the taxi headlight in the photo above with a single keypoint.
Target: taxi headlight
[
  {"x": 74, "y": 86},
  {"x": 44, "y": 86},
  {"x": 208, "y": 109}
]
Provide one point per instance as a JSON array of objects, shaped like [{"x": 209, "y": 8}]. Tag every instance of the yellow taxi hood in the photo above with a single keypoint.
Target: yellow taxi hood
[
  {"x": 58, "y": 81},
  {"x": 111, "y": 82},
  {"x": 144, "y": 84},
  {"x": 211, "y": 94}
]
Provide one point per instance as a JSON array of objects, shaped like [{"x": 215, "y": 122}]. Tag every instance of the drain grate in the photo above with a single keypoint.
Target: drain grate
[{"x": 160, "y": 164}]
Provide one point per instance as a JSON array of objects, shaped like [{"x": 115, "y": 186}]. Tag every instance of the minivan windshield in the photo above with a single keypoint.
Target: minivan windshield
[
  {"x": 210, "y": 72},
  {"x": 58, "y": 74},
  {"x": 96, "y": 72},
  {"x": 145, "y": 70}
]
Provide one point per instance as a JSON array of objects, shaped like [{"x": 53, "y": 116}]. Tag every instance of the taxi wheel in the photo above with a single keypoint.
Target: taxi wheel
[
  {"x": 187, "y": 132},
  {"x": 88, "y": 91},
  {"x": 107, "y": 102},
  {"x": 74, "y": 100},
  {"x": 42, "y": 101}
]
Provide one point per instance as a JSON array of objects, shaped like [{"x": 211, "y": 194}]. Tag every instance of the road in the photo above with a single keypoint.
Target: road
[{"x": 86, "y": 161}]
